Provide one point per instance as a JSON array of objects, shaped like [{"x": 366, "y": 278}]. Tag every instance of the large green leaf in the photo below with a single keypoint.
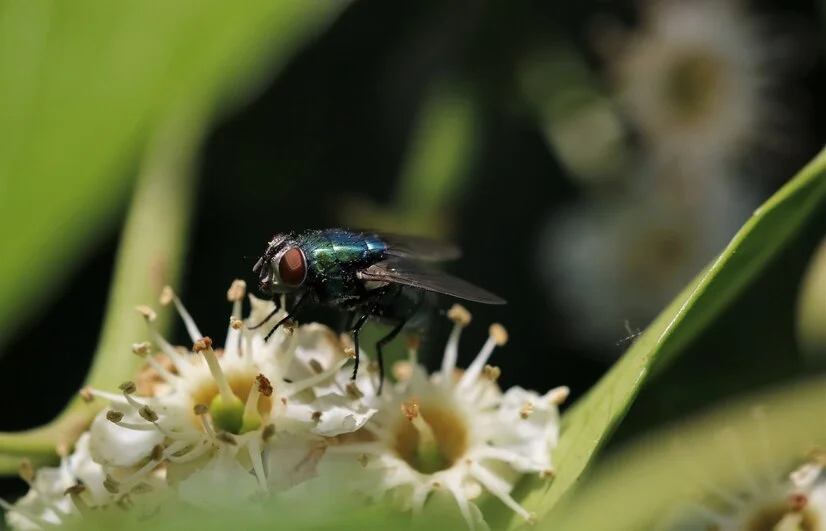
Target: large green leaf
[
  {"x": 588, "y": 425},
  {"x": 83, "y": 83},
  {"x": 745, "y": 446}
]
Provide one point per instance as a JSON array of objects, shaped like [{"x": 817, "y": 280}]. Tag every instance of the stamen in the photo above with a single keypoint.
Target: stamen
[
  {"x": 204, "y": 347},
  {"x": 201, "y": 410},
  {"x": 191, "y": 455},
  {"x": 558, "y": 395},
  {"x": 236, "y": 293},
  {"x": 159, "y": 340},
  {"x": 251, "y": 417},
  {"x": 26, "y": 471},
  {"x": 310, "y": 381},
  {"x": 267, "y": 433},
  {"x": 499, "y": 488},
  {"x": 287, "y": 350},
  {"x": 413, "y": 344},
  {"x": 254, "y": 449},
  {"x": 143, "y": 350},
  {"x": 189, "y": 322},
  {"x": 113, "y": 398},
  {"x": 74, "y": 493},
  {"x": 427, "y": 449},
  {"x": 491, "y": 373},
  {"x": 461, "y": 317},
  {"x": 464, "y": 504},
  {"x": 498, "y": 337}
]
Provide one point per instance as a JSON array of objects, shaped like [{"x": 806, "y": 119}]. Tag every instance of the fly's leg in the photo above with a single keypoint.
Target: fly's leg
[
  {"x": 380, "y": 344},
  {"x": 289, "y": 316},
  {"x": 356, "y": 329}
]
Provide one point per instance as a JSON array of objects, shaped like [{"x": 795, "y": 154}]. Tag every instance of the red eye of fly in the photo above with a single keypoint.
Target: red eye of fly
[{"x": 292, "y": 268}]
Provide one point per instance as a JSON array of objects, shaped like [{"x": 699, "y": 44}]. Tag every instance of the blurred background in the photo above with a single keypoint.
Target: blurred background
[{"x": 589, "y": 157}]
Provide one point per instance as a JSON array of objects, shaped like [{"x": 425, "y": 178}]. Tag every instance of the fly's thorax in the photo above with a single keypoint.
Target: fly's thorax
[{"x": 334, "y": 258}]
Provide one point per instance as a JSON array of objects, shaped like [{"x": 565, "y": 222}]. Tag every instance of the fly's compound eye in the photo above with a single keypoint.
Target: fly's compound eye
[{"x": 292, "y": 267}]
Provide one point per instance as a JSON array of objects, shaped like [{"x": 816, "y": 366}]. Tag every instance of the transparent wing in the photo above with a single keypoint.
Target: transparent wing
[
  {"x": 409, "y": 273},
  {"x": 419, "y": 247}
]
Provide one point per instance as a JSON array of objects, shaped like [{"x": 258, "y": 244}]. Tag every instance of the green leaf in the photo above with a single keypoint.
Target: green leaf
[
  {"x": 747, "y": 446},
  {"x": 83, "y": 84},
  {"x": 588, "y": 425}
]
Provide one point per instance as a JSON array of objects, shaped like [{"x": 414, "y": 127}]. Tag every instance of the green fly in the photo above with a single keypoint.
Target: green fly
[{"x": 368, "y": 275}]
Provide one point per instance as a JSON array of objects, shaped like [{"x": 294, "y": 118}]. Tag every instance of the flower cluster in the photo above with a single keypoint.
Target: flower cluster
[
  {"x": 268, "y": 416},
  {"x": 773, "y": 492}
]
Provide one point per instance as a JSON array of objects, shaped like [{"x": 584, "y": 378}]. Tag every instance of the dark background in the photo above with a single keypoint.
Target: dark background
[{"x": 337, "y": 121}]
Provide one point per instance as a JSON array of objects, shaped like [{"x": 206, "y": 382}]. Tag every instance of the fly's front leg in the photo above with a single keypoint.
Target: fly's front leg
[{"x": 292, "y": 313}]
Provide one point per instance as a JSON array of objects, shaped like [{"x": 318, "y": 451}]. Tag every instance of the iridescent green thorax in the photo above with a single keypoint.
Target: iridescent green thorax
[{"x": 333, "y": 257}]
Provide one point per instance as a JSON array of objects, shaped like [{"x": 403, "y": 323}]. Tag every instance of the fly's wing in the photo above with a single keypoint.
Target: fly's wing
[
  {"x": 418, "y": 247},
  {"x": 409, "y": 273}
]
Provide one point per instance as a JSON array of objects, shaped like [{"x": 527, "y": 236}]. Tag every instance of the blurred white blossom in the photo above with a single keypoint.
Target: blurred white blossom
[
  {"x": 767, "y": 495},
  {"x": 613, "y": 263},
  {"x": 699, "y": 80}
]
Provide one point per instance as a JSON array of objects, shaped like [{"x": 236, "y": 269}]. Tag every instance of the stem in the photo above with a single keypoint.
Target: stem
[
  {"x": 150, "y": 257},
  {"x": 440, "y": 152}
]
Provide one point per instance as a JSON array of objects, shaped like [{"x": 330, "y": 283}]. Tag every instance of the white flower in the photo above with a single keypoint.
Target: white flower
[
  {"x": 763, "y": 496},
  {"x": 616, "y": 262},
  {"x": 451, "y": 432},
  {"x": 57, "y": 495},
  {"x": 790, "y": 503},
  {"x": 697, "y": 79},
  {"x": 204, "y": 407}
]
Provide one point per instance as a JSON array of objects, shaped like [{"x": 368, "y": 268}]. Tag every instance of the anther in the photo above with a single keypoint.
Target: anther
[
  {"x": 157, "y": 452},
  {"x": 128, "y": 387},
  {"x": 268, "y": 432},
  {"x": 141, "y": 488},
  {"x": 315, "y": 366},
  {"x": 498, "y": 334},
  {"x": 111, "y": 484},
  {"x": 146, "y": 312},
  {"x": 167, "y": 295},
  {"x": 114, "y": 416},
  {"x": 86, "y": 395},
  {"x": 237, "y": 291},
  {"x": 264, "y": 385},
  {"x": 75, "y": 490},
  {"x": 316, "y": 416},
  {"x": 26, "y": 471},
  {"x": 201, "y": 409},
  {"x": 148, "y": 414},
  {"x": 526, "y": 410},
  {"x": 142, "y": 349},
  {"x": 459, "y": 315},
  {"x": 236, "y": 323},
  {"x": 558, "y": 395},
  {"x": 353, "y": 391},
  {"x": 491, "y": 373},
  {"x": 410, "y": 408},
  {"x": 402, "y": 370},
  {"x": 226, "y": 437},
  {"x": 202, "y": 345}
]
